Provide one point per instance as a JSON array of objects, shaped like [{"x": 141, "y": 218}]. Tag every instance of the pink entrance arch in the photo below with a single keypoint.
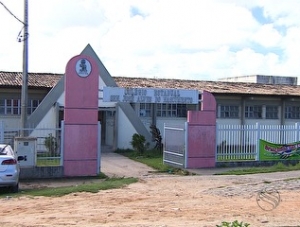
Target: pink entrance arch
[
  {"x": 81, "y": 144},
  {"x": 201, "y": 129}
]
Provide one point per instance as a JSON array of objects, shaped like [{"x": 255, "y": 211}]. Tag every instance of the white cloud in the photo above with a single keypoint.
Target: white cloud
[
  {"x": 267, "y": 36},
  {"x": 166, "y": 39}
]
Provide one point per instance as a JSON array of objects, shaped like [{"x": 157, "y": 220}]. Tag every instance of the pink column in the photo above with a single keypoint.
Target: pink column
[
  {"x": 81, "y": 117},
  {"x": 202, "y": 134}
]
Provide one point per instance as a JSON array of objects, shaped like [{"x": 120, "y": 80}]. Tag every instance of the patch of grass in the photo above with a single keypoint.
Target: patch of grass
[
  {"x": 279, "y": 167},
  {"x": 48, "y": 162},
  {"x": 233, "y": 224},
  {"x": 90, "y": 187},
  {"x": 152, "y": 158}
]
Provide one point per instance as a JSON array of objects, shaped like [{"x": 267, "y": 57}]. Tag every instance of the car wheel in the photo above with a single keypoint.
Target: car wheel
[{"x": 15, "y": 188}]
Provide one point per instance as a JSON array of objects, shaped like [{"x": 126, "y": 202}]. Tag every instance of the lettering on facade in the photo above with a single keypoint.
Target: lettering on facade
[{"x": 147, "y": 95}]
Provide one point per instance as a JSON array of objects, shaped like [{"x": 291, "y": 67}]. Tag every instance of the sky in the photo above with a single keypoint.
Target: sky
[{"x": 173, "y": 39}]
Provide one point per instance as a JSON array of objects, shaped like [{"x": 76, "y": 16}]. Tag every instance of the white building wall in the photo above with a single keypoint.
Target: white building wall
[
  {"x": 11, "y": 121},
  {"x": 125, "y": 130},
  {"x": 225, "y": 121},
  {"x": 160, "y": 123},
  {"x": 61, "y": 99}
]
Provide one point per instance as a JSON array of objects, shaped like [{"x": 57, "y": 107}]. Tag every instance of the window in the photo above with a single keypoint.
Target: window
[
  {"x": 171, "y": 110},
  {"x": 271, "y": 112},
  {"x": 181, "y": 110},
  {"x": 33, "y": 104},
  {"x": 229, "y": 111},
  {"x": 13, "y": 106},
  {"x": 2, "y": 106},
  {"x": 254, "y": 112},
  {"x": 145, "y": 109},
  {"x": 292, "y": 112}
]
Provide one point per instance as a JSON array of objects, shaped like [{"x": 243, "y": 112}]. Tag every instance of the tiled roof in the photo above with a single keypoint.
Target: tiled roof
[
  {"x": 211, "y": 86},
  {"x": 48, "y": 80},
  {"x": 36, "y": 80}
]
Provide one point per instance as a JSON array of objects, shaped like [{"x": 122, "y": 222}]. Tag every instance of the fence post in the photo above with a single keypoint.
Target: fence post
[
  {"x": 62, "y": 143},
  {"x": 257, "y": 140},
  {"x": 99, "y": 149},
  {"x": 297, "y": 132},
  {"x": 1, "y": 132},
  {"x": 186, "y": 147},
  {"x": 217, "y": 139}
]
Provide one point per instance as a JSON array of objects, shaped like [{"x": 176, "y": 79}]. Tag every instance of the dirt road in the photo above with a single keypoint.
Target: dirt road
[{"x": 166, "y": 201}]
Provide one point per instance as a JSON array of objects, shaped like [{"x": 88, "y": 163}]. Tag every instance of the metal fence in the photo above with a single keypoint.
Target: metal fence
[
  {"x": 47, "y": 143},
  {"x": 241, "y": 142},
  {"x": 175, "y": 145}
]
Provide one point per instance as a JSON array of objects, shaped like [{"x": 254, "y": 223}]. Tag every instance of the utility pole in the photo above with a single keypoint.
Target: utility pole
[{"x": 24, "y": 93}]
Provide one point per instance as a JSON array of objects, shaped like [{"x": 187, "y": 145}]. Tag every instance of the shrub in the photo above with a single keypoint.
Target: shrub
[
  {"x": 138, "y": 143},
  {"x": 51, "y": 144}
]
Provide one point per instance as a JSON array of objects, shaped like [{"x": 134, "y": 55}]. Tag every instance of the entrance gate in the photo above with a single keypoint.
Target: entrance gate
[{"x": 174, "y": 153}]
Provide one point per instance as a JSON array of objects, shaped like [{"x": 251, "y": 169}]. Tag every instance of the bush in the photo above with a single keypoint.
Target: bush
[
  {"x": 51, "y": 144},
  {"x": 139, "y": 144}
]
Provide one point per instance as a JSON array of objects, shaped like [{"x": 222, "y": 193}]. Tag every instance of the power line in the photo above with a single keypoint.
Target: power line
[
  {"x": 20, "y": 37},
  {"x": 12, "y": 13}
]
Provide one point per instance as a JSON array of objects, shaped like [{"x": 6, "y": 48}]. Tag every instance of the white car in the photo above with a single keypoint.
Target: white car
[{"x": 9, "y": 168}]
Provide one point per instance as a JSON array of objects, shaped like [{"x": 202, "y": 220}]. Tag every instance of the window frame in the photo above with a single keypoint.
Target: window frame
[
  {"x": 229, "y": 111},
  {"x": 253, "y": 112}
]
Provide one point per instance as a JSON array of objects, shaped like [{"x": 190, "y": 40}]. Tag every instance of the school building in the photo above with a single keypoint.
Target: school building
[{"x": 269, "y": 100}]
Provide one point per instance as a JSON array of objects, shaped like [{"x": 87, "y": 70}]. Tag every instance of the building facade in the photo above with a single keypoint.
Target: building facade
[{"x": 237, "y": 103}]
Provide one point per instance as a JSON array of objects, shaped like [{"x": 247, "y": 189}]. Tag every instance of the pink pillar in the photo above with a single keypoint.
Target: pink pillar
[
  {"x": 202, "y": 134},
  {"x": 81, "y": 117}
]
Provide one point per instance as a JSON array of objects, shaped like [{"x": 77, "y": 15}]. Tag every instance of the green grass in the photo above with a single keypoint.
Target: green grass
[
  {"x": 152, "y": 158},
  {"x": 279, "y": 167},
  {"x": 48, "y": 162},
  {"x": 93, "y": 187}
]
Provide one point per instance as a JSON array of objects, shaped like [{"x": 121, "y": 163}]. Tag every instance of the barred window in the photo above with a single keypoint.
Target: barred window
[
  {"x": 229, "y": 111},
  {"x": 2, "y": 106},
  {"x": 33, "y": 104},
  {"x": 292, "y": 112},
  {"x": 181, "y": 110},
  {"x": 171, "y": 110},
  {"x": 145, "y": 109},
  {"x": 271, "y": 112},
  {"x": 254, "y": 112},
  {"x": 13, "y": 106}
]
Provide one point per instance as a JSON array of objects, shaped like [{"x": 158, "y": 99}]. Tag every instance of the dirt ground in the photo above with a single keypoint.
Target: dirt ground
[{"x": 165, "y": 201}]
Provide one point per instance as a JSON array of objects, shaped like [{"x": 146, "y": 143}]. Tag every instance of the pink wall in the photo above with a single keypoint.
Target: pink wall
[
  {"x": 202, "y": 134},
  {"x": 81, "y": 118}
]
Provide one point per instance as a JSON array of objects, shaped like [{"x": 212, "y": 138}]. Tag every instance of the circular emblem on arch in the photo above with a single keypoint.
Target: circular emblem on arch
[{"x": 83, "y": 67}]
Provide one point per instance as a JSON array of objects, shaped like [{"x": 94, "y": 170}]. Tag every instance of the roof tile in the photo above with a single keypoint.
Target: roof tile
[{"x": 49, "y": 80}]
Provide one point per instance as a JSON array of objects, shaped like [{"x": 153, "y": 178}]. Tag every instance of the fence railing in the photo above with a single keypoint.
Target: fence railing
[
  {"x": 241, "y": 142},
  {"x": 47, "y": 147}
]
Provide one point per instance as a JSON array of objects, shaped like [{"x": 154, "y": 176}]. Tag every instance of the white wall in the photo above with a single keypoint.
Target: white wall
[
  {"x": 11, "y": 121},
  {"x": 160, "y": 123},
  {"x": 125, "y": 130}
]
